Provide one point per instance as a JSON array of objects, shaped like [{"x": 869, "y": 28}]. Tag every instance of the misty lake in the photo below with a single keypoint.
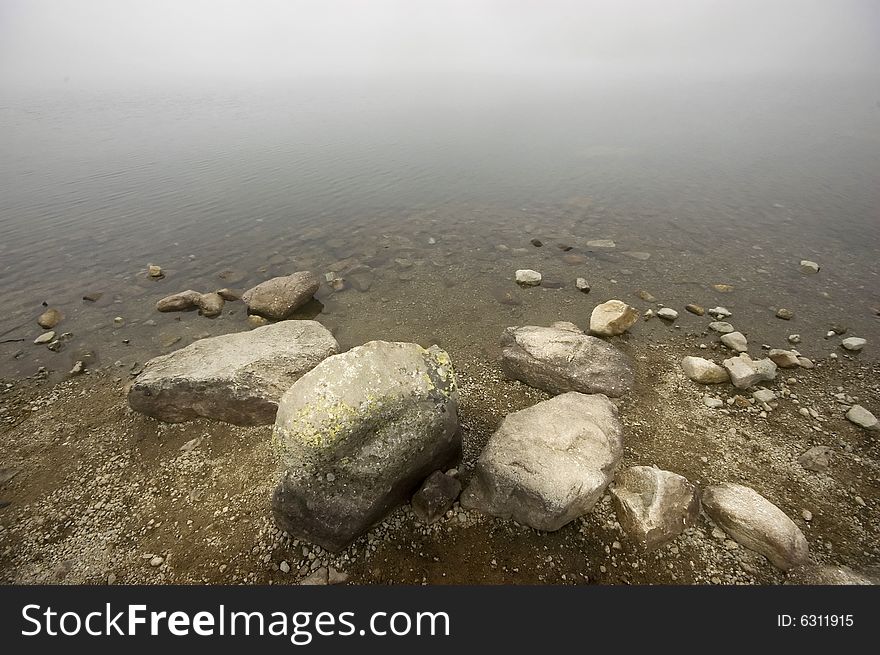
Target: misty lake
[{"x": 428, "y": 192}]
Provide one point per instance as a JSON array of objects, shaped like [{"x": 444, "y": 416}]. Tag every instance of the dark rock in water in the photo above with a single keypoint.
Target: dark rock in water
[
  {"x": 279, "y": 297},
  {"x": 359, "y": 434},
  {"x": 49, "y": 319},
  {"x": 179, "y": 302},
  {"x": 552, "y": 284},
  {"x": 237, "y": 378},
  {"x": 435, "y": 497},
  {"x": 537, "y": 243},
  {"x": 548, "y": 464},
  {"x": 210, "y": 304},
  {"x": 559, "y": 360},
  {"x": 93, "y": 296},
  {"x": 565, "y": 248}
]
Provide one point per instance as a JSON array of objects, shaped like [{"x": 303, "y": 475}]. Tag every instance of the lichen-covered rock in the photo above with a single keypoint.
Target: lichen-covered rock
[
  {"x": 238, "y": 378},
  {"x": 358, "y": 434},
  {"x": 756, "y": 523},
  {"x": 559, "y": 359},
  {"x": 612, "y": 318},
  {"x": 548, "y": 464},
  {"x": 654, "y": 506},
  {"x": 279, "y": 297}
]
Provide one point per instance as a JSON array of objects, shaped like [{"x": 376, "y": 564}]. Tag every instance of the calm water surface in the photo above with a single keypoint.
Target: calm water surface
[{"x": 428, "y": 191}]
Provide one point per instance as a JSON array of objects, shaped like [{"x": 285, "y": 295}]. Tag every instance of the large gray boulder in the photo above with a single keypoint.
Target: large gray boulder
[
  {"x": 358, "y": 434},
  {"x": 548, "y": 464},
  {"x": 558, "y": 359},
  {"x": 279, "y": 297},
  {"x": 237, "y": 378},
  {"x": 654, "y": 506},
  {"x": 756, "y": 523}
]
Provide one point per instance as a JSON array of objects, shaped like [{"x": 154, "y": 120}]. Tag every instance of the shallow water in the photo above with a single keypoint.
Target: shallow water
[{"x": 428, "y": 192}]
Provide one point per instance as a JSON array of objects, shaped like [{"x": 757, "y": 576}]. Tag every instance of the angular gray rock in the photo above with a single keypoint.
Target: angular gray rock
[
  {"x": 279, "y": 297},
  {"x": 853, "y": 343},
  {"x": 528, "y": 278},
  {"x": 756, "y": 523},
  {"x": 746, "y": 372},
  {"x": 548, "y": 464},
  {"x": 612, "y": 318},
  {"x": 817, "y": 459},
  {"x": 862, "y": 417},
  {"x": 783, "y": 358},
  {"x": 654, "y": 506},
  {"x": 722, "y": 327},
  {"x": 703, "y": 371},
  {"x": 735, "y": 341},
  {"x": 561, "y": 359},
  {"x": 435, "y": 497},
  {"x": 358, "y": 434},
  {"x": 827, "y": 574},
  {"x": 238, "y": 378}
]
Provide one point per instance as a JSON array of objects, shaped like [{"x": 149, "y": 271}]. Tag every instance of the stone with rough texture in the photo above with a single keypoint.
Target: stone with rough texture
[
  {"x": 548, "y": 464},
  {"x": 756, "y": 523},
  {"x": 853, "y": 343},
  {"x": 279, "y": 297},
  {"x": 817, "y": 459},
  {"x": 612, "y": 318},
  {"x": 745, "y": 372},
  {"x": 721, "y": 327},
  {"x": 210, "y": 304},
  {"x": 783, "y": 358},
  {"x": 862, "y": 417},
  {"x": 654, "y": 506},
  {"x": 179, "y": 302},
  {"x": 528, "y": 278},
  {"x": 237, "y": 378},
  {"x": 435, "y": 497},
  {"x": 582, "y": 285},
  {"x": 559, "y": 360},
  {"x": 808, "y": 266},
  {"x": 827, "y": 574},
  {"x": 358, "y": 434},
  {"x": 667, "y": 313},
  {"x": 49, "y": 319},
  {"x": 703, "y": 371},
  {"x": 735, "y": 341}
]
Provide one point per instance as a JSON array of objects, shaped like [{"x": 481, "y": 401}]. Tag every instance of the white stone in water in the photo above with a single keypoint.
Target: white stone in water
[
  {"x": 794, "y": 338},
  {"x": 863, "y": 418},
  {"x": 667, "y": 313},
  {"x": 721, "y": 326},
  {"x": 46, "y": 337},
  {"x": 735, "y": 341},
  {"x": 853, "y": 343},
  {"x": 719, "y": 312},
  {"x": 601, "y": 243},
  {"x": 809, "y": 267},
  {"x": 528, "y": 278}
]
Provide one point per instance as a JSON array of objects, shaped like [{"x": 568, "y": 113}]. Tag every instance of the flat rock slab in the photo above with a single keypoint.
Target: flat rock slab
[
  {"x": 548, "y": 464},
  {"x": 279, "y": 297},
  {"x": 358, "y": 434},
  {"x": 654, "y": 506},
  {"x": 238, "y": 378},
  {"x": 560, "y": 359},
  {"x": 756, "y": 523}
]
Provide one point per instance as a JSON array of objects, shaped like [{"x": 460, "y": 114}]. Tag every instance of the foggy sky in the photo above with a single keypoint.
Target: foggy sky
[{"x": 148, "y": 41}]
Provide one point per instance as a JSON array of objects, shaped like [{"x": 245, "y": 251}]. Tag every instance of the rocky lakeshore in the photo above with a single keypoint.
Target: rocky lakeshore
[{"x": 579, "y": 450}]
